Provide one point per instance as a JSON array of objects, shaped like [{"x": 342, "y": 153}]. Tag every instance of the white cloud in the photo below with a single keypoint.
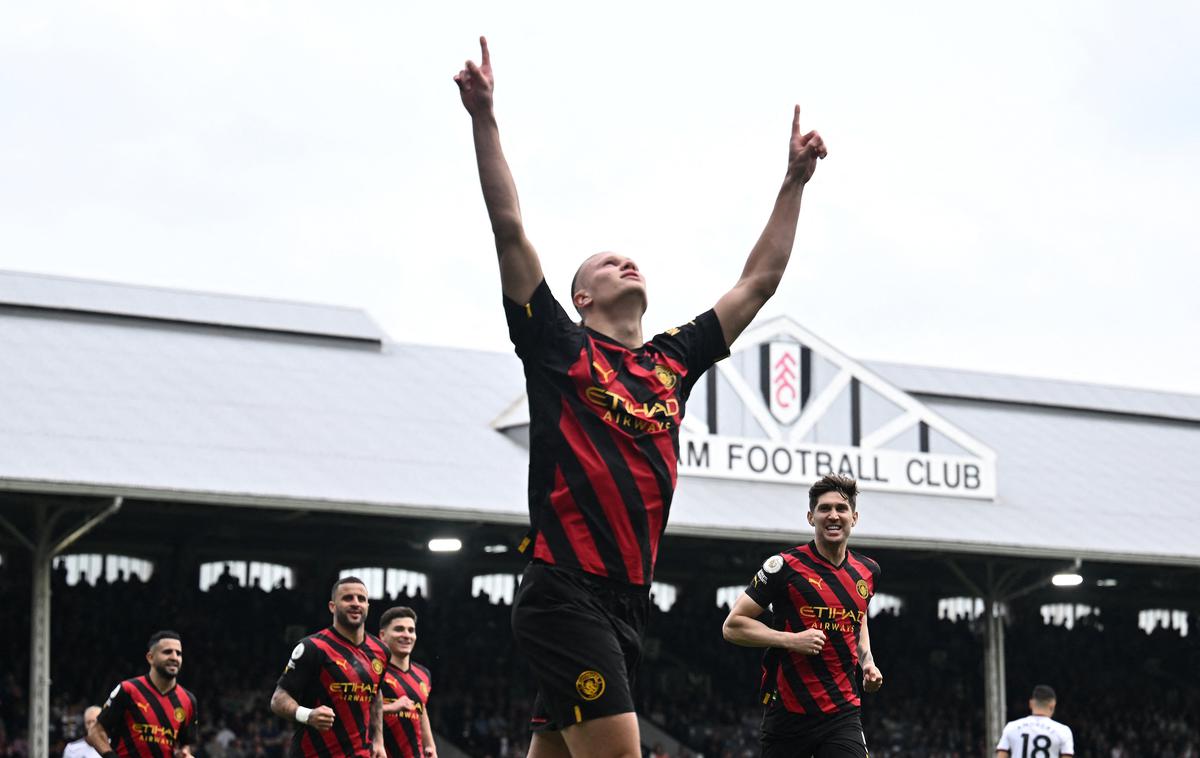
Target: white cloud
[{"x": 1009, "y": 187}]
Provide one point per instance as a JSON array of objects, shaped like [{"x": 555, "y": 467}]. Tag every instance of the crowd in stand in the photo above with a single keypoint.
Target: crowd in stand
[{"x": 1123, "y": 692}]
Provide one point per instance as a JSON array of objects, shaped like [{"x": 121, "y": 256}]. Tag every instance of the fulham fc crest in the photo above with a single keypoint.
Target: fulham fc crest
[{"x": 782, "y": 383}]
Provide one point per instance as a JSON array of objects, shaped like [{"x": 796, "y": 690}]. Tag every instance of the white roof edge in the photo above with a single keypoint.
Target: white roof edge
[
  {"x": 107, "y": 298},
  {"x": 973, "y": 384}
]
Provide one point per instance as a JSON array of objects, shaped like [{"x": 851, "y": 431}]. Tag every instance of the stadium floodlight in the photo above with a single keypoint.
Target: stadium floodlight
[
  {"x": 445, "y": 545},
  {"x": 1067, "y": 580},
  {"x": 495, "y": 548}
]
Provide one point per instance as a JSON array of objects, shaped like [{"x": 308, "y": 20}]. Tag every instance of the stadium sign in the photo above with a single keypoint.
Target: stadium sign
[{"x": 818, "y": 412}]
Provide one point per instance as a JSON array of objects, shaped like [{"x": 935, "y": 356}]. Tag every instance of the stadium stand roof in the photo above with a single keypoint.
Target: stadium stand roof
[{"x": 111, "y": 389}]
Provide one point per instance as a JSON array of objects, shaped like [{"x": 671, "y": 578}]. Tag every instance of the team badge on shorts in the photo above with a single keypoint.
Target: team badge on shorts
[
  {"x": 179, "y": 714},
  {"x": 377, "y": 666},
  {"x": 861, "y": 586},
  {"x": 590, "y": 685},
  {"x": 773, "y": 564}
]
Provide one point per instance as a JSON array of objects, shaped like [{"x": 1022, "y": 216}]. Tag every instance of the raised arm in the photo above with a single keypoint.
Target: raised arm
[
  {"x": 520, "y": 269},
  {"x": 769, "y": 257}
]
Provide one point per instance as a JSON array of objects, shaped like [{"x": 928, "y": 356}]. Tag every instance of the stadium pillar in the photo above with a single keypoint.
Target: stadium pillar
[
  {"x": 44, "y": 547},
  {"x": 995, "y": 696}
]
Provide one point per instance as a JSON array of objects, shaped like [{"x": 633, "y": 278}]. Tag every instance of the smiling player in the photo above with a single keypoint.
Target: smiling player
[
  {"x": 149, "y": 716},
  {"x": 818, "y": 594},
  {"x": 337, "y": 671},
  {"x": 406, "y": 686}
]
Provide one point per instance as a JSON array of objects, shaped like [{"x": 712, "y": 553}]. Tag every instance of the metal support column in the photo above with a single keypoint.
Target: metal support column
[
  {"x": 996, "y": 595},
  {"x": 994, "y": 695},
  {"x": 44, "y": 547}
]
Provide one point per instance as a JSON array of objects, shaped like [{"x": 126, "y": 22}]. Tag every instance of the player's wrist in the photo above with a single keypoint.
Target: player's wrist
[{"x": 303, "y": 714}]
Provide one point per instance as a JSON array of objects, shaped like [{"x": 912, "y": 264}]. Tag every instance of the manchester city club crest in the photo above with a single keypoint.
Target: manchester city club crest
[
  {"x": 590, "y": 685},
  {"x": 665, "y": 375}
]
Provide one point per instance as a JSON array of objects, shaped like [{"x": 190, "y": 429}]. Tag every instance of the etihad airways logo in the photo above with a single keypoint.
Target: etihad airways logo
[
  {"x": 661, "y": 411},
  {"x": 831, "y": 618},
  {"x": 153, "y": 733},
  {"x": 353, "y": 692}
]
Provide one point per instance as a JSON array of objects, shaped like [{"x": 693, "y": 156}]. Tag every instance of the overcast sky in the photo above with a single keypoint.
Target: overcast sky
[{"x": 1011, "y": 187}]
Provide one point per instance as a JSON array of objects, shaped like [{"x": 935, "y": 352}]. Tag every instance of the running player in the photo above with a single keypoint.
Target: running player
[
  {"x": 406, "y": 685},
  {"x": 336, "y": 671},
  {"x": 149, "y": 716},
  {"x": 818, "y": 594},
  {"x": 1037, "y": 735},
  {"x": 605, "y": 407}
]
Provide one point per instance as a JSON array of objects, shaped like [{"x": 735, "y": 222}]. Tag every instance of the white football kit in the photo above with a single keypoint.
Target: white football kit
[{"x": 1036, "y": 737}]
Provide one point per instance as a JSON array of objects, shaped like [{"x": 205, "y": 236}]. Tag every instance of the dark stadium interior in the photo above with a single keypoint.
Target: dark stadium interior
[{"x": 1119, "y": 688}]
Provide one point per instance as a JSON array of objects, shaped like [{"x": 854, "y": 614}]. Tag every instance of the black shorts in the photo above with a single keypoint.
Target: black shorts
[
  {"x": 793, "y": 735},
  {"x": 582, "y": 637}
]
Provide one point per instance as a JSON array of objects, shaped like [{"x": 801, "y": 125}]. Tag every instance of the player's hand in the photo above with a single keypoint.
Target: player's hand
[
  {"x": 804, "y": 151},
  {"x": 184, "y": 751},
  {"x": 808, "y": 642},
  {"x": 430, "y": 751},
  {"x": 872, "y": 678},
  {"x": 402, "y": 703},
  {"x": 475, "y": 83},
  {"x": 378, "y": 750},
  {"x": 321, "y": 718}
]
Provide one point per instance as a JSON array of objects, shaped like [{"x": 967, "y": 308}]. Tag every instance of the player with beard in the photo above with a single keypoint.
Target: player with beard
[
  {"x": 605, "y": 407},
  {"x": 406, "y": 686},
  {"x": 817, "y": 639},
  {"x": 149, "y": 716},
  {"x": 336, "y": 673}
]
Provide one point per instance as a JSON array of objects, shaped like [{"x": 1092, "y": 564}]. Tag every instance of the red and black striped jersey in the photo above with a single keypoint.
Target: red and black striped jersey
[
  {"x": 328, "y": 669},
  {"x": 402, "y": 731},
  {"x": 604, "y": 435},
  {"x": 144, "y": 723},
  {"x": 806, "y": 591}
]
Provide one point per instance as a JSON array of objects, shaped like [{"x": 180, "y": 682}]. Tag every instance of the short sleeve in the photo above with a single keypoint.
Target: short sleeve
[
  {"x": 1068, "y": 740},
  {"x": 113, "y": 710},
  {"x": 765, "y": 586},
  {"x": 190, "y": 729},
  {"x": 539, "y": 325},
  {"x": 301, "y": 670},
  {"x": 1005, "y": 742},
  {"x": 698, "y": 344}
]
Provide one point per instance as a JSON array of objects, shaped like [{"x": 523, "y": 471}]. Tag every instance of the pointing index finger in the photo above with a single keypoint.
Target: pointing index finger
[
  {"x": 796, "y": 120},
  {"x": 487, "y": 59}
]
